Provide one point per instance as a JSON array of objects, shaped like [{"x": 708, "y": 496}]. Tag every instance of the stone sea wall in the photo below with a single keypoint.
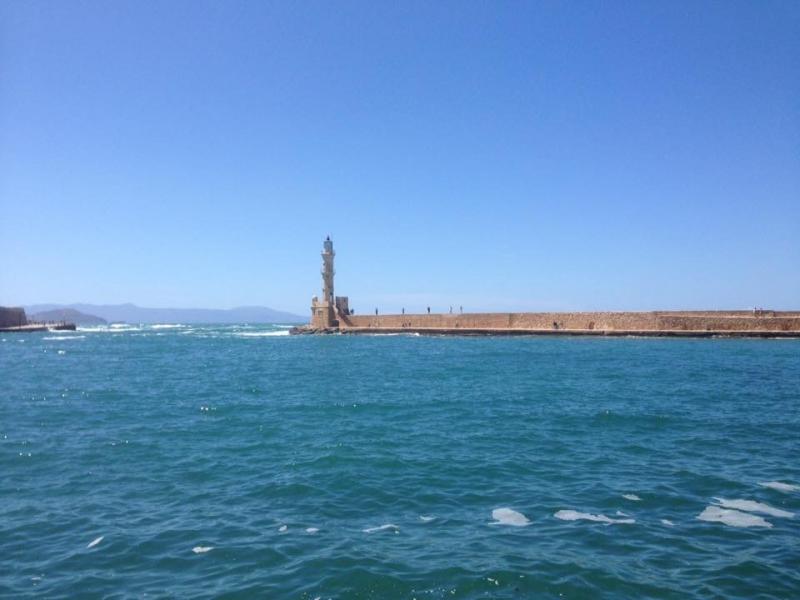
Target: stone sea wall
[{"x": 599, "y": 321}]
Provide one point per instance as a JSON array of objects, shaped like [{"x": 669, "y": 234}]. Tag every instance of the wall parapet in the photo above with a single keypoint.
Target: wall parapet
[{"x": 689, "y": 321}]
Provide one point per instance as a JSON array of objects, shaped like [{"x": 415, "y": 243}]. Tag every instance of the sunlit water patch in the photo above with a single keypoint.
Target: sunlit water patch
[
  {"x": 509, "y": 516},
  {"x": 780, "y": 486},
  {"x": 732, "y": 517},
  {"x": 576, "y": 515}
]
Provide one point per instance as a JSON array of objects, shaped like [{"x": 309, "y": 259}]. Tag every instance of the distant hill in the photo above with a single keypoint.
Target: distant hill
[
  {"x": 130, "y": 313},
  {"x": 70, "y": 315}
]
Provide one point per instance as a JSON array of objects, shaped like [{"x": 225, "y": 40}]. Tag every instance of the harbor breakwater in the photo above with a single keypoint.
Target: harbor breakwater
[
  {"x": 661, "y": 323},
  {"x": 332, "y": 314}
]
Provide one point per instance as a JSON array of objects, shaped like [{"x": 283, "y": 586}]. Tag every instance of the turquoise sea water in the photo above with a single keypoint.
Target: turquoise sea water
[{"x": 243, "y": 463}]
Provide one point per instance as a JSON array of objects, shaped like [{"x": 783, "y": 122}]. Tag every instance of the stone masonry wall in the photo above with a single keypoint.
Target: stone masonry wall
[{"x": 610, "y": 321}]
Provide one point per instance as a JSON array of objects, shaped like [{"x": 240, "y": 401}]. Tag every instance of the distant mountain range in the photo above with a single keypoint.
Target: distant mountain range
[
  {"x": 130, "y": 313},
  {"x": 70, "y": 315}
]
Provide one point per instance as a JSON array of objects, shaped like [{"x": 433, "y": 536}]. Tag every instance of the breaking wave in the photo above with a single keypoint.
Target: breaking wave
[
  {"x": 574, "y": 515},
  {"x": 261, "y": 333},
  {"x": 733, "y": 518}
]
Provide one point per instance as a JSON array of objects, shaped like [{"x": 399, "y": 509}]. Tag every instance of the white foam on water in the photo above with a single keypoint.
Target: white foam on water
[
  {"x": 734, "y": 518},
  {"x": 311, "y": 530},
  {"x": 62, "y": 351},
  {"x": 622, "y": 514},
  {"x": 63, "y": 337},
  {"x": 667, "y": 522},
  {"x": 167, "y": 326},
  {"x": 95, "y": 541},
  {"x": 280, "y": 333},
  {"x": 115, "y": 327},
  {"x": 507, "y": 516},
  {"x": 202, "y": 549},
  {"x": 780, "y": 486},
  {"x": 753, "y": 506},
  {"x": 426, "y": 519},
  {"x": 283, "y": 528},
  {"x": 381, "y": 528},
  {"x": 574, "y": 515},
  {"x": 632, "y": 497}
]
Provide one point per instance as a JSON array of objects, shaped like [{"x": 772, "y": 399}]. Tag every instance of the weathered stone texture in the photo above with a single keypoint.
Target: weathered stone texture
[{"x": 583, "y": 321}]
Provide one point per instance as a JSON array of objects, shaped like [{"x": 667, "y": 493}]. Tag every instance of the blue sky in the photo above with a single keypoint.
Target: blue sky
[{"x": 495, "y": 155}]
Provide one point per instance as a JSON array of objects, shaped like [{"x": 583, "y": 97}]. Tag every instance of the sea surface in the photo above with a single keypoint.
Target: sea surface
[{"x": 240, "y": 462}]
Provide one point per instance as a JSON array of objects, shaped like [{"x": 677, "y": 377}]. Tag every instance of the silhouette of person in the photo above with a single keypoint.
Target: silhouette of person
[{"x": 429, "y": 310}]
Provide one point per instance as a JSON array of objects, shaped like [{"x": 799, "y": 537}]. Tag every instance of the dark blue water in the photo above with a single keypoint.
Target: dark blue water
[{"x": 241, "y": 463}]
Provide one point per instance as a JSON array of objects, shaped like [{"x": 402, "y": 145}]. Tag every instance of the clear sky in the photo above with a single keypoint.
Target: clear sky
[{"x": 495, "y": 155}]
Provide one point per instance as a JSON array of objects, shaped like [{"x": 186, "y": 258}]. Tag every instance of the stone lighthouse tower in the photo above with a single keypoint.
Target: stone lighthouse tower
[{"x": 323, "y": 310}]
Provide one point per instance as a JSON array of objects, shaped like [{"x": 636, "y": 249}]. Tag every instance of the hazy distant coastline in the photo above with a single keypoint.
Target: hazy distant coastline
[
  {"x": 68, "y": 315},
  {"x": 130, "y": 313}
]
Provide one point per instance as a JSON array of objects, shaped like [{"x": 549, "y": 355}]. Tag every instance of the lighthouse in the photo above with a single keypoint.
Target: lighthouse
[
  {"x": 325, "y": 310},
  {"x": 327, "y": 270}
]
